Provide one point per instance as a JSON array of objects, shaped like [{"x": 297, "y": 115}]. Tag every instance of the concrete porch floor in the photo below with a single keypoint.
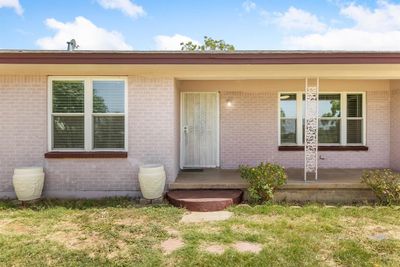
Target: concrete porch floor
[{"x": 230, "y": 179}]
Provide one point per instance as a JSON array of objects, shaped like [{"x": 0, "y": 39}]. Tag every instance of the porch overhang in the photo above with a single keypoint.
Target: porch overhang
[
  {"x": 212, "y": 72},
  {"x": 205, "y": 65}
]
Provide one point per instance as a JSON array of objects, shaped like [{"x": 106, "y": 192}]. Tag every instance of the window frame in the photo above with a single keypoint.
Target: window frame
[
  {"x": 88, "y": 112},
  {"x": 289, "y": 118},
  {"x": 343, "y": 118}
]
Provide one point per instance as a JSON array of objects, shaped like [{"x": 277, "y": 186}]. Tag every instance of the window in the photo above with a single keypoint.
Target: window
[
  {"x": 329, "y": 119},
  {"x": 354, "y": 119},
  {"x": 341, "y": 118},
  {"x": 288, "y": 118},
  {"x": 68, "y": 114},
  {"x": 87, "y": 114}
]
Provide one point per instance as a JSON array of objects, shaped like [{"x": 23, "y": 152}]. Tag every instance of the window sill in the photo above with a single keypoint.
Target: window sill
[
  {"x": 325, "y": 148},
  {"x": 85, "y": 155}
]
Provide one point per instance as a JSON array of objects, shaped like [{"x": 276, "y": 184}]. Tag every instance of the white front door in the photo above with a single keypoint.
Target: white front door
[{"x": 199, "y": 130}]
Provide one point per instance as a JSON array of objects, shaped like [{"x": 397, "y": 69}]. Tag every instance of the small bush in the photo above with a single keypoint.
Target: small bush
[
  {"x": 385, "y": 184},
  {"x": 263, "y": 180}
]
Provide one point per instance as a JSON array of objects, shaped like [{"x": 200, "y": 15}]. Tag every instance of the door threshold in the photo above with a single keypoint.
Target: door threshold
[{"x": 192, "y": 170}]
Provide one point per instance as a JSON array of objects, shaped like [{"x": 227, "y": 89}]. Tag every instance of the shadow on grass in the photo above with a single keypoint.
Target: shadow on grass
[{"x": 76, "y": 204}]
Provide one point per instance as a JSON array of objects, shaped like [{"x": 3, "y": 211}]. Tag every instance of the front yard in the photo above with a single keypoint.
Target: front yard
[{"x": 117, "y": 232}]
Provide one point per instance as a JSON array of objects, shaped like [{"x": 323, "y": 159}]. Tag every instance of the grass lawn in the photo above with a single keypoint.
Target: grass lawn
[{"x": 118, "y": 232}]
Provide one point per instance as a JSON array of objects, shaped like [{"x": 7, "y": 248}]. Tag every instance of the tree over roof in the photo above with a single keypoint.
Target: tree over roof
[{"x": 209, "y": 45}]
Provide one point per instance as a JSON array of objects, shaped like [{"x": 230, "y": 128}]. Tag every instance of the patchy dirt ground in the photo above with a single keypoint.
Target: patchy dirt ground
[{"x": 116, "y": 232}]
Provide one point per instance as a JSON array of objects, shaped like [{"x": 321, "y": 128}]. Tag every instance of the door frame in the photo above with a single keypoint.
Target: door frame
[{"x": 181, "y": 133}]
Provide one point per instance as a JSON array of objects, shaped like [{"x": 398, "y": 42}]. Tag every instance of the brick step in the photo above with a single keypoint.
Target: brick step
[{"x": 204, "y": 200}]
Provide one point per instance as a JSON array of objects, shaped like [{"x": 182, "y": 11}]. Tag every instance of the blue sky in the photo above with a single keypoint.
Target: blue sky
[{"x": 163, "y": 24}]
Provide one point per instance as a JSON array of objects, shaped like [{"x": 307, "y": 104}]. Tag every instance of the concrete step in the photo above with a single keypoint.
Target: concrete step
[{"x": 204, "y": 200}]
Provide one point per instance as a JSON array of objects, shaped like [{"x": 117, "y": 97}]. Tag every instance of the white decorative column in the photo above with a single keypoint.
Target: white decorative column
[{"x": 311, "y": 128}]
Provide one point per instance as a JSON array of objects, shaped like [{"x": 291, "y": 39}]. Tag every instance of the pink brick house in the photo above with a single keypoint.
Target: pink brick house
[{"x": 91, "y": 118}]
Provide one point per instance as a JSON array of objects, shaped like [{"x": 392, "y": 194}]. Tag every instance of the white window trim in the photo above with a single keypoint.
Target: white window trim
[
  {"x": 88, "y": 111},
  {"x": 343, "y": 118}
]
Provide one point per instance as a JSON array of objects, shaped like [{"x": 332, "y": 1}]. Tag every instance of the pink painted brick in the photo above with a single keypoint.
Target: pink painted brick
[
  {"x": 152, "y": 104},
  {"x": 23, "y": 118},
  {"x": 249, "y": 133},
  {"x": 395, "y": 129}
]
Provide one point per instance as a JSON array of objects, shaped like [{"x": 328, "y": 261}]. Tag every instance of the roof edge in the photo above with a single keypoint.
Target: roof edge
[{"x": 198, "y": 58}]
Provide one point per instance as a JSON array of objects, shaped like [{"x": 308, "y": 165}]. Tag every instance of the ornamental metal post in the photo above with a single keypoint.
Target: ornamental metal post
[{"x": 311, "y": 128}]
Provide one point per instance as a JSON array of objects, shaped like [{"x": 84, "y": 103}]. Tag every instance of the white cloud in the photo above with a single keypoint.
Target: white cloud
[
  {"x": 346, "y": 39},
  {"x": 377, "y": 29},
  {"x": 165, "y": 42},
  {"x": 385, "y": 17},
  {"x": 249, "y": 5},
  {"x": 298, "y": 19},
  {"x": 88, "y": 36},
  {"x": 12, "y": 4},
  {"x": 125, "y": 6}
]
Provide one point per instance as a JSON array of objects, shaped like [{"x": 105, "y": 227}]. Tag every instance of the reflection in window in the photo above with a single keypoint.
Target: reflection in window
[
  {"x": 354, "y": 118},
  {"x": 288, "y": 131},
  {"x": 288, "y": 118},
  {"x": 108, "y": 109},
  {"x": 68, "y": 114},
  {"x": 329, "y": 105},
  {"x": 68, "y": 96},
  {"x": 331, "y": 118},
  {"x": 68, "y": 132},
  {"x": 329, "y": 122},
  {"x": 108, "y": 97},
  {"x": 329, "y": 131},
  {"x": 109, "y": 132}
]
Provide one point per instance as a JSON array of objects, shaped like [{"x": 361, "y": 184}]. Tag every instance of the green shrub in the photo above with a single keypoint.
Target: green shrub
[
  {"x": 263, "y": 180},
  {"x": 385, "y": 184}
]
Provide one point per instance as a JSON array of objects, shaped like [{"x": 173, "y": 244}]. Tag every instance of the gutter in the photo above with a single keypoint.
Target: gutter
[{"x": 198, "y": 58}]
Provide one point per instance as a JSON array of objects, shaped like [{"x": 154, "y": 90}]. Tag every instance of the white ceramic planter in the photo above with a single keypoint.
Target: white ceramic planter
[
  {"x": 28, "y": 183},
  {"x": 152, "y": 180}
]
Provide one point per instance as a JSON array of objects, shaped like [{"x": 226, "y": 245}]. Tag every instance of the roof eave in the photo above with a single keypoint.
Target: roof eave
[{"x": 196, "y": 58}]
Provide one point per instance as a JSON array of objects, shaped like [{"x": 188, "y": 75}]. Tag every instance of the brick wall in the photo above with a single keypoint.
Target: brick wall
[
  {"x": 152, "y": 138},
  {"x": 152, "y": 122},
  {"x": 23, "y": 105},
  {"x": 249, "y": 132},
  {"x": 395, "y": 126},
  {"x": 249, "y": 129}
]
